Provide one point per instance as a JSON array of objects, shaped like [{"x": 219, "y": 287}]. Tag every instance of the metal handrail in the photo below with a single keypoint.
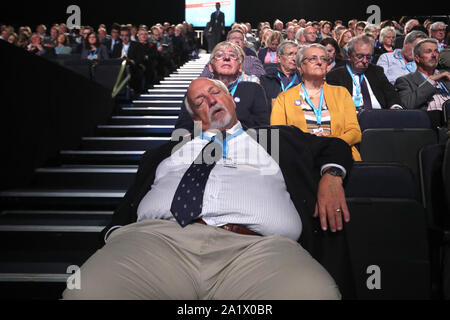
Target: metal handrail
[{"x": 120, "y": 83}]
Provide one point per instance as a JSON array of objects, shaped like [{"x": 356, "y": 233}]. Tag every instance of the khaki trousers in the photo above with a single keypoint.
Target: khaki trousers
[{"x": 157, "y": 259}]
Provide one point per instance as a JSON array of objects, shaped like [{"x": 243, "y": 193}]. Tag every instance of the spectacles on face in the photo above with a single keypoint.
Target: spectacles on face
[
  {"x": 438, "y": 30},
  {"x": 315, "y": 59},
  {"x": 362, "y": 56},
  {"x": 220, "y": 55}
]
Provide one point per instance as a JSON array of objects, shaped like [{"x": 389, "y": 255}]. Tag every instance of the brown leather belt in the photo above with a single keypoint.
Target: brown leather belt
[{"x": 233, "y": 228}]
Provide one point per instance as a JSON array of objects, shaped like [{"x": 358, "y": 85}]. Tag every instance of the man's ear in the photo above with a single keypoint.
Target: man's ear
[{"x": 210, "y": 68}]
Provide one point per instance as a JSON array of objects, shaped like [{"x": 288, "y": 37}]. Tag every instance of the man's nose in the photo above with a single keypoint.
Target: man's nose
[{"x": 211, "y": 100}]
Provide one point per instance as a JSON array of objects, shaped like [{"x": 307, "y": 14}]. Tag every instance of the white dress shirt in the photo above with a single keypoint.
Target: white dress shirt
[
  {"x": 357, "y": 78},
  {"x": 253, "y": 194},
  {"x": 125, "y": 48}
]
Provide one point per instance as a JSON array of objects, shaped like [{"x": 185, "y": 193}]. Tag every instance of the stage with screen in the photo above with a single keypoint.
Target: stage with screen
[{"x": 198, "y": 12}]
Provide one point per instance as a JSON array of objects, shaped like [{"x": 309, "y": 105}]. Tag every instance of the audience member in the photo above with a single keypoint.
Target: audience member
[
  {"x": 427, "y": 88},
  {"x": 114, "y": 39},
  {"x": 438, "y": 31},
  {"x": 315, "y": 106},
  {"x": 310, "y": 35},
  {"x": 285, "y": 75},
  {"x": 269, "y": 54},
  {"x": 401, "y": 62},
  {"x": 300, "y": 37},
  {"x": 387, "y": 38},
  {"x": 335, "y": 59},
  {"x": 365, "y": 82},
  {"x": 13, "y": 38},
  {"x": 252, "y": 66},
  {"x": 346, "y": 37},
  {"x": 38, "y": 49},
  {"x": 407, "y": 29},
  {"x": 226, "y": 65},
  {"x": 93, "y": 49},
  {"x": 63, "y": 44},
  {"x": 269, "y": 264},
  {"x": 290, "y": 33},
  {"x": 325, "y": 30},
  {"x": 359, "y": 28}
]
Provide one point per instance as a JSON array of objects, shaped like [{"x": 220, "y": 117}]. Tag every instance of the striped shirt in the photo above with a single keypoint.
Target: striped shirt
[{"x": 254, "y": 194}]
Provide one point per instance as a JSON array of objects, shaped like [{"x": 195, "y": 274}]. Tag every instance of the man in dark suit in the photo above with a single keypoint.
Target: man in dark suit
[
  {"x": 114, "y": 39},
  {"x": 427, "y": 88},
  {"x": 251, "y": 105},
  {"x": 216, "y": 27},
  {"x": 236, "y": 235},
  {"x": 366, "y": 82},
  {"x": 134, "y": 53}
]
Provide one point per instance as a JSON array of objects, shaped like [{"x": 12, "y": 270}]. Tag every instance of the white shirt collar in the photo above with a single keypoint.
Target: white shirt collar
[{"x": 231, "y": 131}]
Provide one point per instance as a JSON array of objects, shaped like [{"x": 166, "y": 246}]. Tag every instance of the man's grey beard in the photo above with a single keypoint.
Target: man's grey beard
[{"x": 222, "y": 122}]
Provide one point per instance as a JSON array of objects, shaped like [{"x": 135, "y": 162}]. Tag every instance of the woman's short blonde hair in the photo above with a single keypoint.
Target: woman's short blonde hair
[{"x": 226, "y": 45}]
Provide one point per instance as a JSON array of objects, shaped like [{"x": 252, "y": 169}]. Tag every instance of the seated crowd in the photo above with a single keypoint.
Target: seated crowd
[
  {"x": 152, "y": 53},
  {"x": 224, "y": 214}
]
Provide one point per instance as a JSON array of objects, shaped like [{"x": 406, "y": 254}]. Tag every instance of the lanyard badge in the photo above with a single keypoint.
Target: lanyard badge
[
  {"x": 318, "y": 111},
  {"x": 357, "y": 99},
  {"x": 227, "y": 162}
]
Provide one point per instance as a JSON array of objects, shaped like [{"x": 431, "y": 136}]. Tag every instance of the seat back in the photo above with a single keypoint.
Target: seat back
[
  {"x": 446, "y": 178},
  {"x": 431, "y": 182},
  {"x": 380, "y": 180},
  {"x": 106, "y": 72},
  {"x": 388, "y": 248},
  {"x": 446, "y": 111},
  {"x": 396, "y": 145},
  {"x": 384, "y": 118}
]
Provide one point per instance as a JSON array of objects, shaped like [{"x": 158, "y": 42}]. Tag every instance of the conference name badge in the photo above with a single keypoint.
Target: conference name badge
[
  {"x": 358, "y": 100},
  {"x": 229, "y": 163},
  {"x": 237, "y": 99},
  {"x": 298, "y": 102}
]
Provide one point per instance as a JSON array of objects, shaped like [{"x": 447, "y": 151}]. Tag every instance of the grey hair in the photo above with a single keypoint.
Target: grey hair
[
  {"x": 417, "y": 51},
  {"x": 437, "y": 24},
  {"x": 408, "y": 25},
  {"x": 414, "y": 35},
  {"x": 359, "y": 39},
  {"x": 224, "y": 45},
  {"x": 283, "y": 45},
  {"x": 301, "y": 52},
  {"x": 299, "y": 33},
  {"x": 384, "y": 32},
  {"x": 370, "y": 27},
  {"x": 218, "y": 83}
]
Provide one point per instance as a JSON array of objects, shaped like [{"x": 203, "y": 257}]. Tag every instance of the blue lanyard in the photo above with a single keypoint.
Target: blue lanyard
[
  {"x": 443, "y": 90},
  {"x": 357, "y": 85},
  {"x": 93, "y": 53},
  {"x": 290, "y": 84},
  {"x": 224, "y": 142},
  {"x": 233, "y": 90},
  {"x": 318, "y": 111},
  {"x": 272, "y": 55},
  {"x": 410, "y": 66}
]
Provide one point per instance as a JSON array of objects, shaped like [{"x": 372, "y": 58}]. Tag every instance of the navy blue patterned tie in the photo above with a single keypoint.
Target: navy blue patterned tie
[
  {"x": 188, "y": 199},
  {"x": 366, "y": 95}
]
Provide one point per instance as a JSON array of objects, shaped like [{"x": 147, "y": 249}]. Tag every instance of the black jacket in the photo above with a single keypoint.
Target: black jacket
[
  {"x": 135, "y": 52},
  {"x": 272, "y": 83},
  {"x": 301, "y": 156},
  {"x": 252, "y": 109},
  {"x": 382, "y": 89}
]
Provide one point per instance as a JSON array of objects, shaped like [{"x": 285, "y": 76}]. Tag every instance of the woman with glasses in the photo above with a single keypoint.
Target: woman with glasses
[
  {"x": 93, "y": 49},
  {"x": 225, "y": 64},
  {"x": 315, "y": 106}
]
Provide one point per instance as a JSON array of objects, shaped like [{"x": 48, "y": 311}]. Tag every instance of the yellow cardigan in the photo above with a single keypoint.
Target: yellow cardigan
[{"x": 344, "y": 123}]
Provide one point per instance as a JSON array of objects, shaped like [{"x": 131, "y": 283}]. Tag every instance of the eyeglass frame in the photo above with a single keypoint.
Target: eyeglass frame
[
  {"x": 224, "y": 53},
  {"x": 315, "y": 59}
]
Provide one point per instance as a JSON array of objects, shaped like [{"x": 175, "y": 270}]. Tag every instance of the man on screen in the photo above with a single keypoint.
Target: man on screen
[{"x": 216, "y": 27}]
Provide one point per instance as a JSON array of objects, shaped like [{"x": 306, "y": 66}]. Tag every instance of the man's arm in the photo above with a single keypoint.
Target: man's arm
[{"x": 413, "y": 97}]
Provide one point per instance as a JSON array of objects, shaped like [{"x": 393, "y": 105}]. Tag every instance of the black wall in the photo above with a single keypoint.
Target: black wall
[{"x": 152, "y": 11}]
